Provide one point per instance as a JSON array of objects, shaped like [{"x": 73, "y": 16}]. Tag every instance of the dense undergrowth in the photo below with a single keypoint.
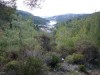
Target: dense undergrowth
[{"x": 73, "y": 48}]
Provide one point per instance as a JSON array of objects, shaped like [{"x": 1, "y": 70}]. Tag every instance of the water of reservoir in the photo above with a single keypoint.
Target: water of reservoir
[{"x": 49, "y": 26}]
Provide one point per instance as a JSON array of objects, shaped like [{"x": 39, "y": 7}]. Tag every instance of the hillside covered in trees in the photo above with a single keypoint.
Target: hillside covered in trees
[
  {"x": 36, "y": 20},
  {"x": 72, "y": 48},
  {"x": 65, "y": 17}
]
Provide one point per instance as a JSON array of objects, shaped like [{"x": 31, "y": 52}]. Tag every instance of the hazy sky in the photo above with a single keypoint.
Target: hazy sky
[{"x": 56, "y": 7}]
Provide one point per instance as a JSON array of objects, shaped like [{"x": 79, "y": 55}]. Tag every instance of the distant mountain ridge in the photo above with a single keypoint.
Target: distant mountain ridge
[
  {"x": 65, "y": 17},
  {"x": 36, "y": 19}
]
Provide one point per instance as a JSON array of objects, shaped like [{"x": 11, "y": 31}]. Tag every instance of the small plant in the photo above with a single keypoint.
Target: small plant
[
  {"x": 82, "y": 68},
  {"x": 55, "y": 61},
  {"x": 69, "y": 59},
  {"x": 52, "y": 59},
  {"x": 12, "y": 65},
  {"x": 33, "y": 66},
  {"x": 75, "y": 58},
  {"x": 2, "y": 59}
]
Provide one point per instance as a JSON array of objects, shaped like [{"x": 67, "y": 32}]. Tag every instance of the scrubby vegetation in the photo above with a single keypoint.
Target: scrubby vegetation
[{"x": 73, "y": 48}]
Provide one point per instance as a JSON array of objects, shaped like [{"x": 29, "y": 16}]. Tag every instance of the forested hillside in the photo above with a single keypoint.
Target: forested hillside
[
  {"x": 72, "y": 48},
  {"x": 86, "y": 28},
  {"x": 65, "y": 17},
  {"x": 36, "y": 20}
]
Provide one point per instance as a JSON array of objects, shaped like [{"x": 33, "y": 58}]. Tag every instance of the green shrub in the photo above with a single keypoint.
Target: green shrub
[
  {"x": 90, "y": 51},
  {"x": 52, "y": 59},
  {"x": 55, "y": 61},
  {"x": 82, "y": 68},
  {"x": 66, "y": 50},
  {"x": 3, "y": 45},
  {"x": 2, "y": 59},
  {"x": 75, "y": 58},
  {"x": 32, "y": 66},
  {"x": 69, "y": 59},
  {"x": 12, "y": 65}
]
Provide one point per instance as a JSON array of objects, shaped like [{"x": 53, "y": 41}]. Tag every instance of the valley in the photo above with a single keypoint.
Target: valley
[{"x": 65, "y": 44}]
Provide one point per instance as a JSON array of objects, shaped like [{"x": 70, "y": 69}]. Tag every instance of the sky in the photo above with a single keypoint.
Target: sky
[{"x": 58, "y": 7}]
